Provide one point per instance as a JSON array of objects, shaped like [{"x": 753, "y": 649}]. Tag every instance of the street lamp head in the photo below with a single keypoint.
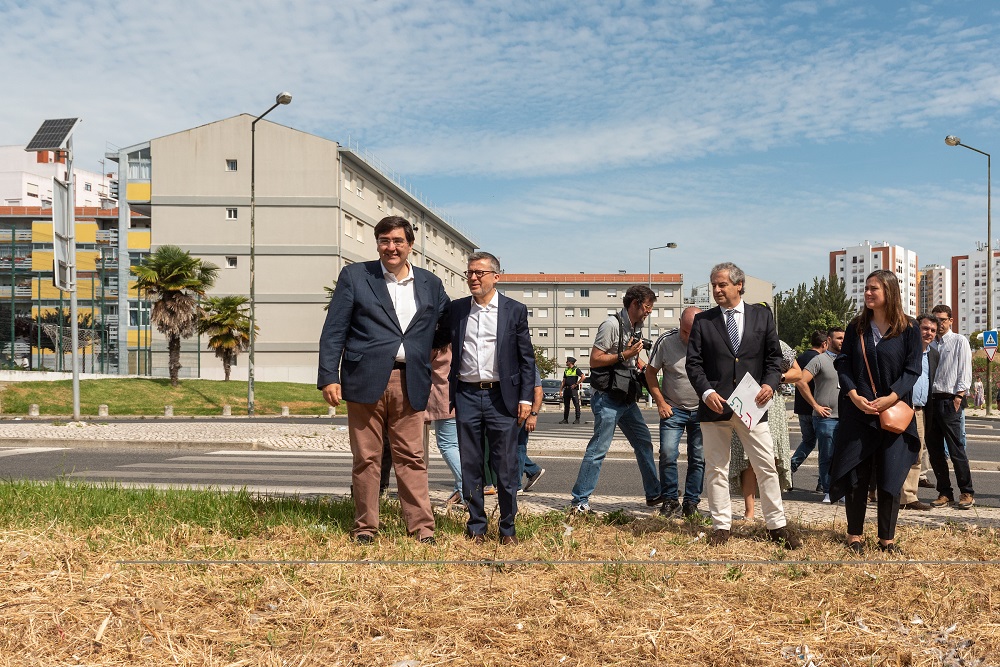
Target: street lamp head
[
  {"x": 952, "y": 140},
  {"x": 671, "y": 245},
  {"x": 283, "y": 98}
]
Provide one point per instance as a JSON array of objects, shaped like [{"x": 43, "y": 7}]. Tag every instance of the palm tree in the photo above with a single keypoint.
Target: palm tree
[
  {"x": 227, "y": 323},
  {"x": 173, "y": 281}
]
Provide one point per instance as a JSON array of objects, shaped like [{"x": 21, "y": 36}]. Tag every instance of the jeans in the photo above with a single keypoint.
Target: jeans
[
  {"x": 524, "y": 464},
  {"x": 627, "y": 417},
  {"x": 447, "y": 442},
  {"x": 808, "y": 441},
  {"x": 671, "y": 430},
  {"x": 825, "y": 428}
]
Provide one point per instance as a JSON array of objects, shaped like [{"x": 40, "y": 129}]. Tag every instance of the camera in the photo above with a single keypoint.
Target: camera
[{"x": 646, "y": 343}]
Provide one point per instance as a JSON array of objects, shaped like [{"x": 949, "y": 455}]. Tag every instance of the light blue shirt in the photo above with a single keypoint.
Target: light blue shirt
[{"x": 922, "y": 384}]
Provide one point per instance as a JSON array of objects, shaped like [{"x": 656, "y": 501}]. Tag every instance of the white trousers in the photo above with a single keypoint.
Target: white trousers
[{"x": 759, "y": 450}]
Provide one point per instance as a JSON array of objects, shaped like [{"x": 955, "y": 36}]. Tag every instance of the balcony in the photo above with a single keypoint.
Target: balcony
[
  {"x": 106, "y": 237},
  {"x": 19, "y": 291}
]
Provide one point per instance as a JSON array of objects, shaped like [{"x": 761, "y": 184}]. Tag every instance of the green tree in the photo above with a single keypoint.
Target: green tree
[
  {"x": 226, "y": 321},
  {"x": 173, "y": 280},
  {"x": 545, "y": 365},
  {"x": 823, "y": 305},
  {"x": 976, "y": 339}
]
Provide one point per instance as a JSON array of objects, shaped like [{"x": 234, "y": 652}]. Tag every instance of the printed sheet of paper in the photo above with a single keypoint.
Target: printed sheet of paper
[{"x": 743, "y": 404}]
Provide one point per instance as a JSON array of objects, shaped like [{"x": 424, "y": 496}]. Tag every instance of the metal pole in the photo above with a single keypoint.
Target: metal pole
[
  {"x": 989, "y": 281},
  {"x": 13, "y": 281},
  {"x": 74, "y": 326}
]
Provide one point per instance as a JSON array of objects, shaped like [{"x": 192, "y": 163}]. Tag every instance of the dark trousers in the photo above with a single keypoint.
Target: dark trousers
[
  {"x": 574, "y": 396},
  {"x": 856, "y": 503},
  {"x": 481, "y": 413},
  {"x": 944, "y": 424}
]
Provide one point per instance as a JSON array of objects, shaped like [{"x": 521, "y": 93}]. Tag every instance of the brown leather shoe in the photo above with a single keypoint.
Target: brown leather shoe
[
  {"x": 476, "y": 539},
  {"x": 508, "y": 539},
  {"x": 925, "y": 483},
  {"x": 965, "y": 501},
  {"x": 942, "y": 501},
  {"x": 718, "y": 537},
  {"x": 916, "y": 505},
  {"x": 783, "y": 537}
]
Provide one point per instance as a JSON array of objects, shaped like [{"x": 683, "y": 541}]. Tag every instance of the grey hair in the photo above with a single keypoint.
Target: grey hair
[
  {"x": 736, "y": 274},
  {"x": 494, "y": 262}
]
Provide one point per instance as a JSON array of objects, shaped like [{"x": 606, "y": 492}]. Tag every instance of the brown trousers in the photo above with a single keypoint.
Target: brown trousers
[{"x": 366, "y": 423}]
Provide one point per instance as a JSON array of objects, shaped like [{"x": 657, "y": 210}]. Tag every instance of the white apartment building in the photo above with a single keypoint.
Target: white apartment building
[
  {"x": 26, "y": 179},
  {"x": 935, "y": 287},
  {"x": 755, "y": 291},
  {"x": 855, "y": 263},
  {"x": 316, "y": 207},
  {"x": 968, "y": 291},
  {"x": 565, "y": 309}
]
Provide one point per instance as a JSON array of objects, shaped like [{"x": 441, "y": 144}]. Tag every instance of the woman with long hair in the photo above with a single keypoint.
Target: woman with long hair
[{"x": 863, "y": 450}]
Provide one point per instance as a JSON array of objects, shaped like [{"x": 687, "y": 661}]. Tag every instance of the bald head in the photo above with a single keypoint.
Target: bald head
[{"x": 687, "y": 320}]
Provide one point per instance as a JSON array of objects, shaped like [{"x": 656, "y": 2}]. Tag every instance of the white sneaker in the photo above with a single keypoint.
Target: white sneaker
[{"x": 826, "y": 498}]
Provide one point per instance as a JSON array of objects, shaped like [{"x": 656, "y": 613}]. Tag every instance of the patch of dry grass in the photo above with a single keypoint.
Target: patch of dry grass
[{"x": 581, "y": 595}]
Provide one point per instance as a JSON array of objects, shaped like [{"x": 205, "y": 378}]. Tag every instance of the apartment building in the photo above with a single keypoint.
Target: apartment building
[
  {"x": 565, "y": 309},
  {"x": 935, "y": 287},
  {"x": 316, "y": 205},
  {"x": 853, "y": 265},
  {"x": 755, "y": 291},
  {"x": 26, "y": 180},
  {"x": 968, "y": 291}
]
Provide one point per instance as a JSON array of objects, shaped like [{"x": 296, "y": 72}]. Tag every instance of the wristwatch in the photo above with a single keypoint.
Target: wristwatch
[{"x": 533, "y": 414}]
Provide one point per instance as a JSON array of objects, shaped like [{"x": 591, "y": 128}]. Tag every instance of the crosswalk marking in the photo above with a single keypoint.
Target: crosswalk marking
[{"x": 18, "y": 451}]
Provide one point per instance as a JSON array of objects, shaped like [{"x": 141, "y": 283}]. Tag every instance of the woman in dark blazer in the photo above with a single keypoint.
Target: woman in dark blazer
[{"x": 863, "y": 449}]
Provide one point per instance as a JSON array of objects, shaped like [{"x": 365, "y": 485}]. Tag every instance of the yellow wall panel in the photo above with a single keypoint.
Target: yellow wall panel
[
  {"x": 137, "y": 338},
  {"x": 138, "y": 240},
  {"x": 138, "y": 191},
  {"x": 41, "y": 260},
  {"x": 41, "y": 232}
]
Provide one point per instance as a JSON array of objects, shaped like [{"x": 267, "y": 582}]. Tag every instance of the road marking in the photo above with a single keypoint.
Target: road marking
[{"x": 18, "y": 451}]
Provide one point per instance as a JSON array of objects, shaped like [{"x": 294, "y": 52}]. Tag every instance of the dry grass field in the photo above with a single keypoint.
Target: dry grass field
[{"x": 147, "y": 583}]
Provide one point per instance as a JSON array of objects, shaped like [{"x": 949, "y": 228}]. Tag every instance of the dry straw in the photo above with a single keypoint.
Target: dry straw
[{"x": 647, "y": 593}]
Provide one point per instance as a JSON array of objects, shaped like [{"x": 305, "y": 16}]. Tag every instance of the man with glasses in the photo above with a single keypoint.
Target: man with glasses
[
  {"x": 946, "y": 420},
  {"x": 374, "y": 354},
  {"x": 492, "y": 388}
]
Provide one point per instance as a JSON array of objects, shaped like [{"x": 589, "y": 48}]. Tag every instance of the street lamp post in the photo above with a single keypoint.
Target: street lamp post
[
  {"x": 952, "y": 140},
  {"x": 282, "y": 98},
  {"x": 649, "y": 322}
]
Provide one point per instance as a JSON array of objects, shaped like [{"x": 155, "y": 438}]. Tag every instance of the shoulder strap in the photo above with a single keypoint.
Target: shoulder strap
[{"x": 864, "y": 354}]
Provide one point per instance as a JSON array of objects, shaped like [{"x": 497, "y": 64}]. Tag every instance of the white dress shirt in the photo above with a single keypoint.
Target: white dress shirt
[
  {"x": 738, "y": 317},
  {"x": 479, "y": 359},
  {"x": 404, "y": 301}
]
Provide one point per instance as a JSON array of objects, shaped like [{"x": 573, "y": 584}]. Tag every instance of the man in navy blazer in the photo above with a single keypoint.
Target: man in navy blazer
[
  {"x": 492, "y": 383},
  {"x": 375, "y": 353},
  {"x": 726, "y": 343}
]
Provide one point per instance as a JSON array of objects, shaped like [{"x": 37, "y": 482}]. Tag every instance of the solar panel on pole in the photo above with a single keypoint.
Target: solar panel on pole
[{"x": 52, "y": 135}]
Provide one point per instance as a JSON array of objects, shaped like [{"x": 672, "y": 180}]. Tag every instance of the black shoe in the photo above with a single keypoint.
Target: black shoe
[
  {"x": 576, "y": 421},
  {"x": 783, "y": 537},
  {"x": 430, "y": 539},
  {"x": 654, "y": 502},
  {"x": 819, "y": 487},
  {"x": 363, "y": 538},
  {"x": 670, "y": 508},
  {"x": 690, "y": 509},
  {"x": 533, "y": 478},
  {"x": 856, "y": 547},
  {"x": 718, "y": 538},
  {"x": 563, "y": 421},
  {"x": 926, "y": 483},
  {"x": 890, "y": 548}
]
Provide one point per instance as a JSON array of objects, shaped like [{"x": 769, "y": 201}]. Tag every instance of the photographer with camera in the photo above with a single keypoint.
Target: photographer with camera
[{"x": 614, "y": 376}]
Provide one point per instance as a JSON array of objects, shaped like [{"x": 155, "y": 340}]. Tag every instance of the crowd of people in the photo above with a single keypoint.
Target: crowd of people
[{"x": 882, "y": 400}]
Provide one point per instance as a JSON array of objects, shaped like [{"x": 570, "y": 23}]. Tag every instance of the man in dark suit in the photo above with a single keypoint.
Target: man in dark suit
[
  {"x": 492, "y": 383},
  {"x": 726, "y": 343},
  {"x": 375, "y": 353}
]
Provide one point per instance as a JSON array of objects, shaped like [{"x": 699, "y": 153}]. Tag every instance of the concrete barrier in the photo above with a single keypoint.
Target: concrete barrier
[
  {"x": 102, "y": 410},
  {"x": 227, "y": 411},
  {"x": 168, "y": 411}
]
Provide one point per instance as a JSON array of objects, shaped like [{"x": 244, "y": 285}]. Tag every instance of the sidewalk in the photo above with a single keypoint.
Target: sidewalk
[{"x": 326, "y": 436}]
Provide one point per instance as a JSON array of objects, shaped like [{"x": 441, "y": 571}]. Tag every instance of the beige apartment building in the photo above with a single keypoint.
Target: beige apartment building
[
  {"x": 565, "y": 309},
  {"x": 316, "y": 204}
]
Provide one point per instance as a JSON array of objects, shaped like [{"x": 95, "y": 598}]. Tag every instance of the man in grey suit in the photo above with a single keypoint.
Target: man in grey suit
[
  {"x": 492, "y": 386},
  {"x": 728, "y": 342},
  {"x": 375, "y": 353}
]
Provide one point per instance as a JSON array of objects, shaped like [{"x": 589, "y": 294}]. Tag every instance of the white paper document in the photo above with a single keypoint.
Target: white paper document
[{"x": 743, "y": 404}]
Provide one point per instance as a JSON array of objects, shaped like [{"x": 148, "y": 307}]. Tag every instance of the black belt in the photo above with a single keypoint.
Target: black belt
[
  {"x": 941, "y": 396},
  {"x": 480, "y": 385},
  {"x": 399, "y": 366}
]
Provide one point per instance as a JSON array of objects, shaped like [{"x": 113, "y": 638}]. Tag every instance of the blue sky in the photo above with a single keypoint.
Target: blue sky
[{"x": 571, "y": 136}]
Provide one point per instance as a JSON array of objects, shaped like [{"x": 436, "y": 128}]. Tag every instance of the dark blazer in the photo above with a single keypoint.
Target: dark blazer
[
  {"x": 713, "y": 364},
  {"x": 515, "y": 355},
  {"x": 895, "y": 365},
  {"x": 361, "y": 335}
]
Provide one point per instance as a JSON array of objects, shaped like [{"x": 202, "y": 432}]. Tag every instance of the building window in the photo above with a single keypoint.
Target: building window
[
  {"x": 231, "y": 213},
  {"x": 585, "y": 292},
  {"x": 88, "y": 187},
  {"x": 543, "y": 333},
  {"x": 348, "y": 227},
  {"x": 667, "y": 292},
  {"x": 230, "y": 262},
  {"x": 654, "y": 332},
  {"x": 584, "y": 352},
  {"x": 543, "y": 294},
  {"x": 654, "y": 313},
  {"x": 348, "y": 177},
  {"x": 230, "y": 165},
  {"x": 612, "y": 292},
  {"x": 585, "y": 312},
  {"x": 32, "y": 190},
  {"x": 584, "y": 333},
  {"x": 389, "y": 204},
  {"x": 570, "y": 293},
  {"x": 668, "y": 312},
  {"x": 137, "y": 317},
  {"x": 543, "y": 312},
  {"x": 568, "y": 333},
  {"x": 531, "y": 312},
  {"x": 360, "y": 231},
  {"x": 361, "y": 188},
  {"x": 568, "y": 312},
  {"x": 612, "y": 311},
  {"x": 380, "y": 196},
  {"x": 526, "y": 293}
]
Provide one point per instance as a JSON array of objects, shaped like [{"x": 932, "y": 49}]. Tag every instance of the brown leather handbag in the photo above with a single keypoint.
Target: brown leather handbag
[{"x": 897, "y": 417}]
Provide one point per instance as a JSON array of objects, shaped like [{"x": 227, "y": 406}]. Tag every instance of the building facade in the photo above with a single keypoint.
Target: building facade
[
  {"x": 935, "y": 287},
  {"x": 968, "y": 291},
  {"x": 855, "y": 263},
  {"x": 755, "y": 290},
  {"x": 26, "y": 180},
  {"x": 565, "y": 309},
  {"x": 316, "y": 205}
]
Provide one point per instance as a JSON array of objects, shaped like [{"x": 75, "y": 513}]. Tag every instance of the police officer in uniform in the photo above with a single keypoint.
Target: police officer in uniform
[{"x": 572, "y": 379}]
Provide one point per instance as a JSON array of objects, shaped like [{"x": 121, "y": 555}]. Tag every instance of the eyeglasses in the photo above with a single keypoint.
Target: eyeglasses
[
  {"x": 399, "y": 243},
  {"x": 477, "y": 274}
]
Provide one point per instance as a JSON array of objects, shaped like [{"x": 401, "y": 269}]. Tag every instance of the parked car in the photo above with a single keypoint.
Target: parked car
[
  {"x": 550, "y": 391},
  {"x": 585, "y": 392}
]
